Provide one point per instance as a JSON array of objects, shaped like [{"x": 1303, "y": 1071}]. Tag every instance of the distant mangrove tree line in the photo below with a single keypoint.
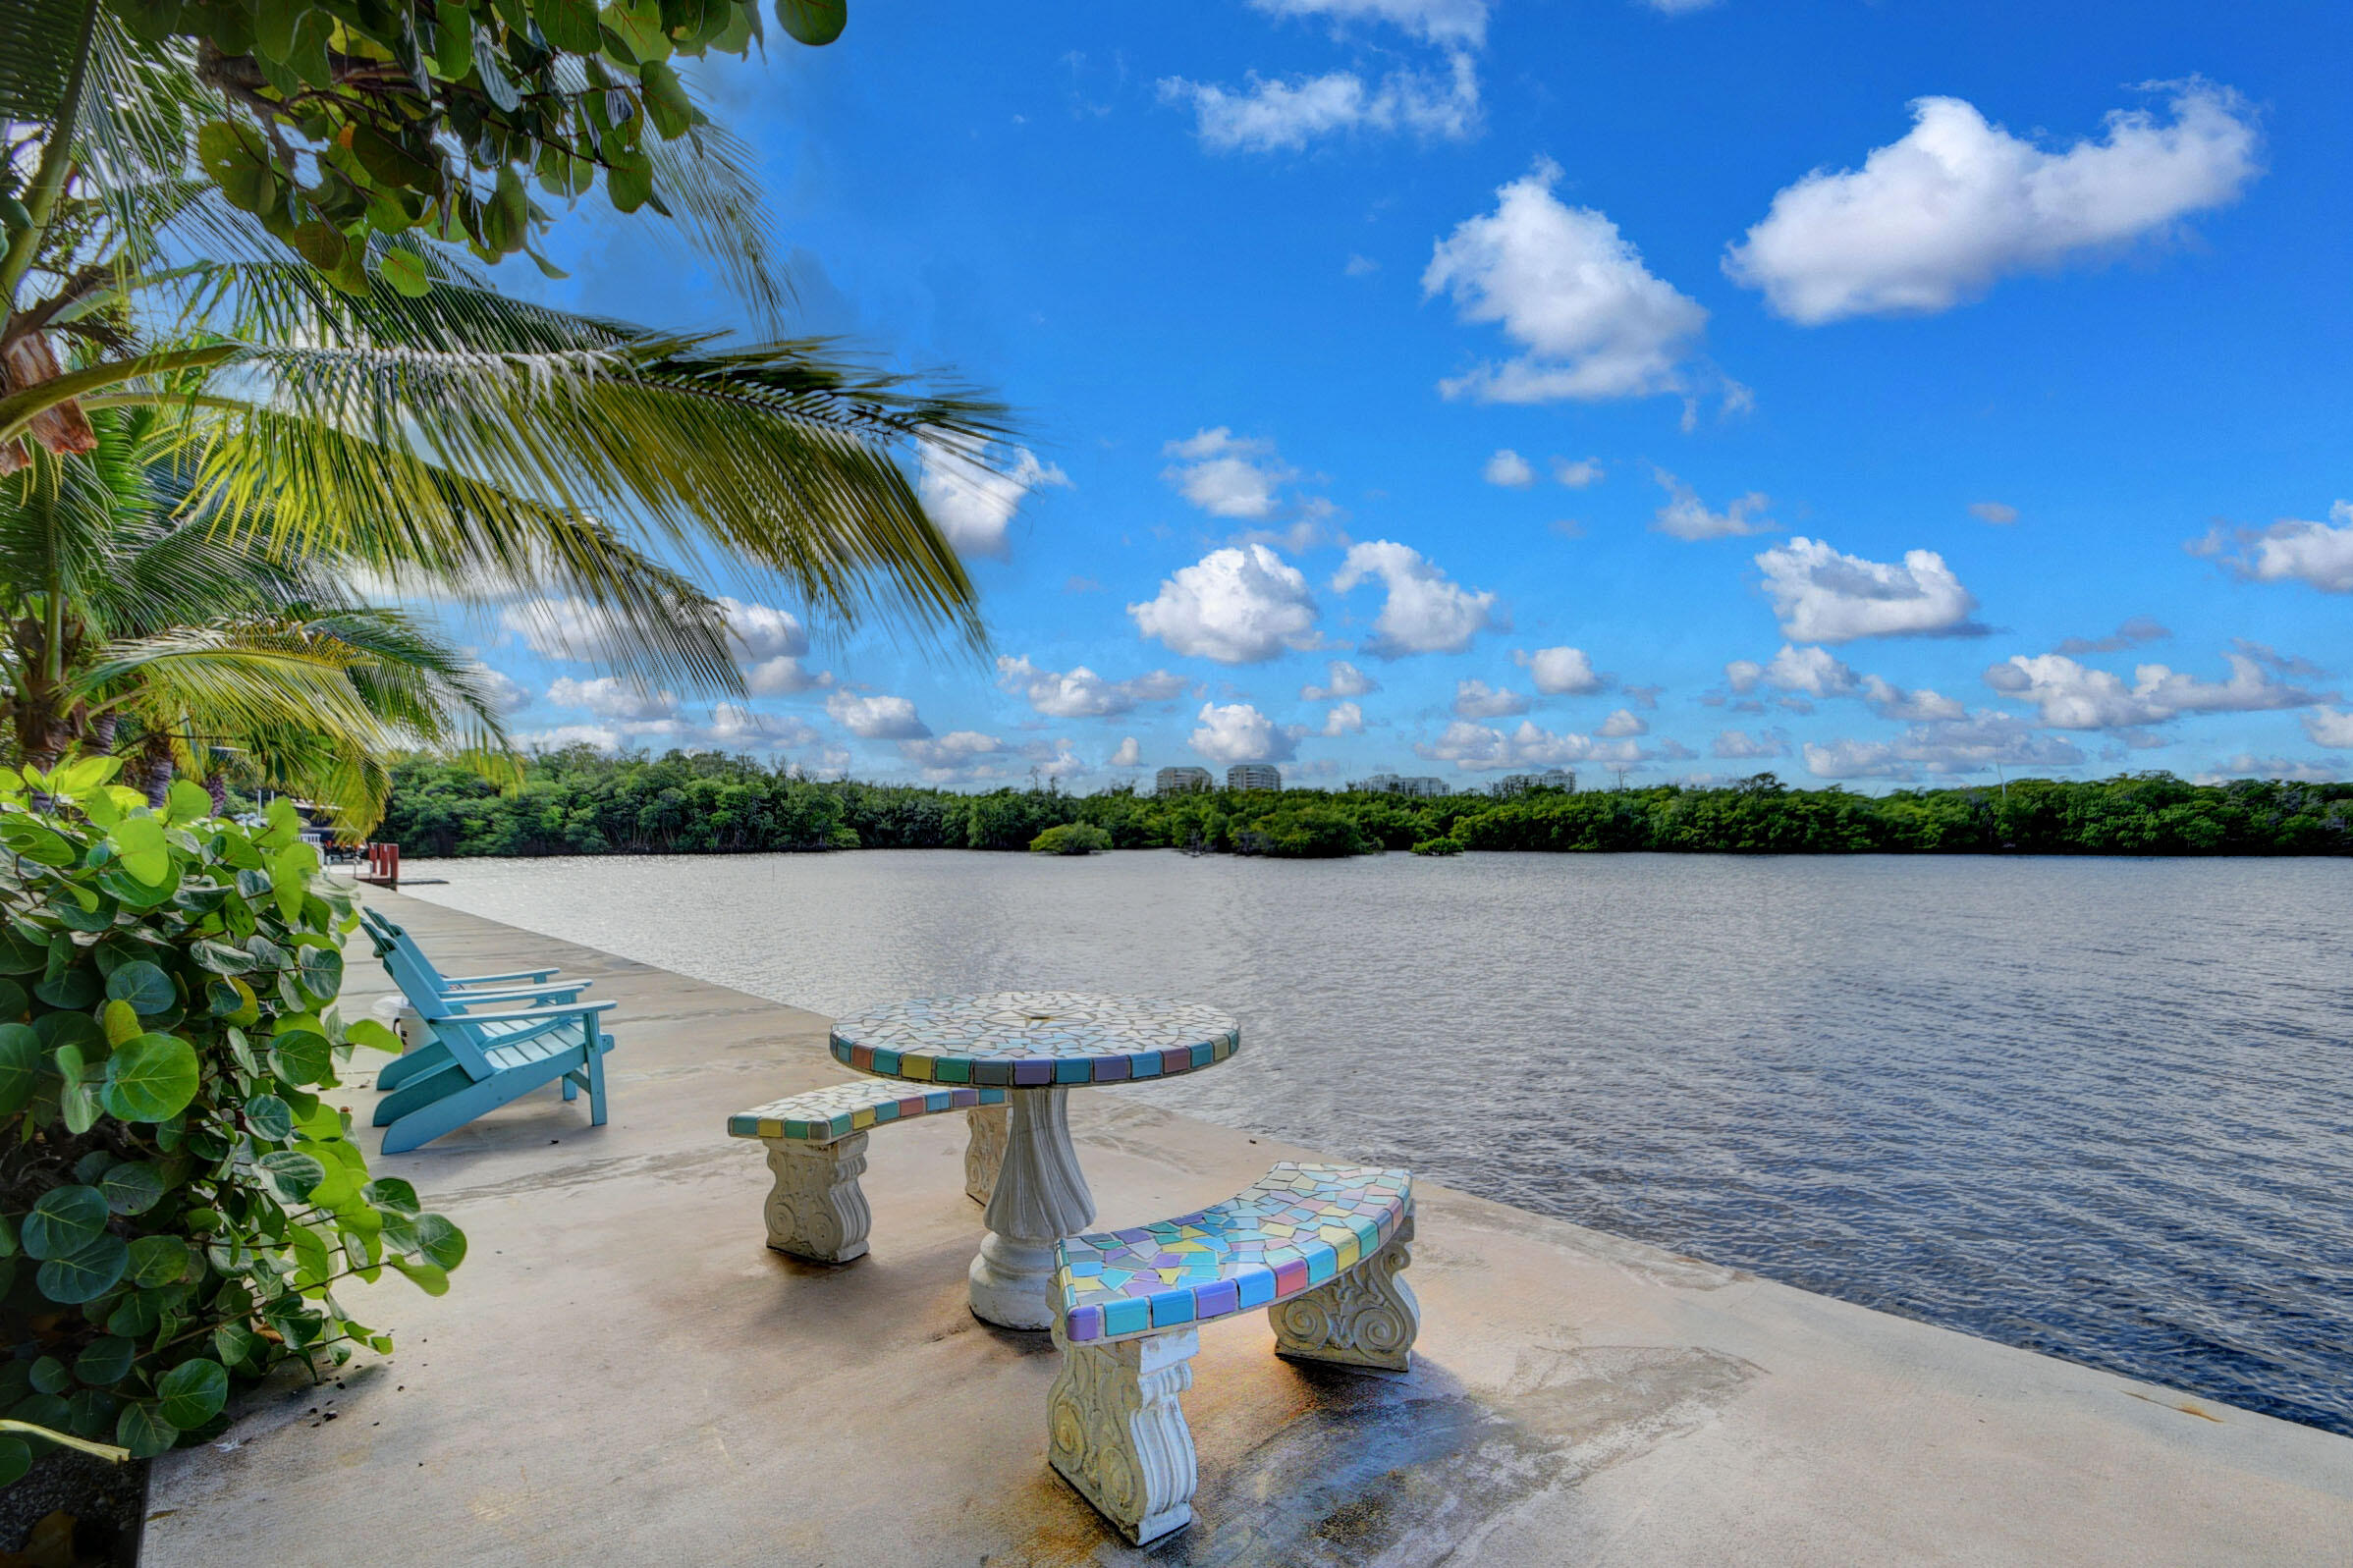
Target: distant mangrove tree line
[{"x": 583, "y": 802}]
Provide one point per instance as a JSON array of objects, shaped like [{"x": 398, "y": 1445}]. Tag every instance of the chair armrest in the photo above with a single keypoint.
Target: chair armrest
[
  {"x": 561, "y": 992},
  {"x": 517, "y": 974},
  {"x": 578, "y": 1011}
]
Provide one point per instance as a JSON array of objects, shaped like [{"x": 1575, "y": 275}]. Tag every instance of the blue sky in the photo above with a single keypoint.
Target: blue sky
[{"x": 1873, "y": 393}]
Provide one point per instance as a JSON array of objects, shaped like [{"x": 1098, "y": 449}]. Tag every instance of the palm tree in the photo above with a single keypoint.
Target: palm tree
[
  {"x": 135, "y": 624},
  {"x": 414, "y": 423}
]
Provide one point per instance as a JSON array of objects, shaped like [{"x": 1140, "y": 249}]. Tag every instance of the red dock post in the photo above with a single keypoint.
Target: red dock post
[{"x": 382, "y": 864}]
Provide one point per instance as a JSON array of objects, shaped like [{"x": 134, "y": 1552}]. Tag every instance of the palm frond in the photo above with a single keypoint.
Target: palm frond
[
  {"x": 775, "y": 458},
  {"x": 273, "y": 481},
  {"x": 38, "y": 39}
]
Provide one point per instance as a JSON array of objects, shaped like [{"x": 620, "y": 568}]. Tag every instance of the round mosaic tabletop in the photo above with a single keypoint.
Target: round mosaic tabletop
[{"x": 1034, "y": 1039}]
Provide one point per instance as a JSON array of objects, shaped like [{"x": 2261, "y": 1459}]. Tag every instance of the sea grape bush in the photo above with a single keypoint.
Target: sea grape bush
[{"x": 178, "y": 1201}]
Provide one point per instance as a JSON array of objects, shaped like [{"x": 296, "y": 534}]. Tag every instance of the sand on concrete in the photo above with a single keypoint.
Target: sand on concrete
[{"x": 624, "y": 1373}]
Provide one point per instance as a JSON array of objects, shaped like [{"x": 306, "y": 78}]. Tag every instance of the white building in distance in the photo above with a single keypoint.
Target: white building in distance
[
  {"x": 1254, "y": 775},
  {"x": 1388, "y": 784},
  {"x": 1182, "y": 780},
  {"x": 1520, "y": 783}
]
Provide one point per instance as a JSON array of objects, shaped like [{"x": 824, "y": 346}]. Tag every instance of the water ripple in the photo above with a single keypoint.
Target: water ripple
[{"x": 2100, "y": 1109}]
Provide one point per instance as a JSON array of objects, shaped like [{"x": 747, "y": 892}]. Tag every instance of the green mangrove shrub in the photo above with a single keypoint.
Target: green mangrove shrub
[
  {"x": 1438, "y": 846},
  {"x": 1070, "y": 838},
  {"x": 178, "y": 1201}
]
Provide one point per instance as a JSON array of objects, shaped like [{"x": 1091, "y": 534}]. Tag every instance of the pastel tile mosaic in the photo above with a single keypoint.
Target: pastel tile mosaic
[
  {"x": 1034, "y": 1039},
  {"x": 1289, "y": 1232},
  {"x": 834, "y": 1111}
]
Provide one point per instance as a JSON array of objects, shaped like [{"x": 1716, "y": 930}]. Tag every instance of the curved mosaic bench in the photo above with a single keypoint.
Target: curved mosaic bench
[
  {"x": 817, "y": 1150},
  {"x": 1319, "y": 1246}
]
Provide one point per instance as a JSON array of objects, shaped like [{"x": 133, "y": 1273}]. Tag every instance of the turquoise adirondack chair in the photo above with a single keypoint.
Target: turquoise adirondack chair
[
  {"x": 430, "y": 992},
  {"x": 485, "y": 1066},
  {"x": 394, "y": 941}
]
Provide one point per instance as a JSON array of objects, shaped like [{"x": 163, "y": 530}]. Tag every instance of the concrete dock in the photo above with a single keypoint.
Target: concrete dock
[{"x": 624, "y": 1373}]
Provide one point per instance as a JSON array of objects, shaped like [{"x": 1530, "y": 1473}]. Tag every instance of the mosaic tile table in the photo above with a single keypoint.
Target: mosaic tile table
[{"x": 1037, "y": 1045}]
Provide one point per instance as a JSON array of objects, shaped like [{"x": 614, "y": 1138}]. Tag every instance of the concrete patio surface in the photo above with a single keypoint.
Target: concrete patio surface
[{"x": 624, "y": 1373}]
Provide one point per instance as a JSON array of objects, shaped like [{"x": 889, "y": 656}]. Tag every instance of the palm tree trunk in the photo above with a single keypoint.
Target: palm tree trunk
[{"x": 153, "y": 769}]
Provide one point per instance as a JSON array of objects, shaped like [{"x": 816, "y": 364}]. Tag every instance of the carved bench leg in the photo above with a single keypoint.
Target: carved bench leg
[
  {"x": 984, "y": 1156},
  {"x": 817, "y": 1210},
  {"x": 1366, "y": 1317},
  {"x": 1117, "y": 1432}
]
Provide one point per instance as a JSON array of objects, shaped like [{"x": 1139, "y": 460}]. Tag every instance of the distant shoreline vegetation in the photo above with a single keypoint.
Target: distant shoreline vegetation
[{"x": 581, "y": 802}]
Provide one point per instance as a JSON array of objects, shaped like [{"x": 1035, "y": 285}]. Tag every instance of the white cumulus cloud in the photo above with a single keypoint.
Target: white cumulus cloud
[
  {"x": 2319, "y": 555},
  {"x": 1462, "y": 22},
  {"x": 1565, "y": 286},
  {"x": 1425, "y": 611},
  {"x": 1481, "y": 748},
  {"x": 610, "y": 698},
  {"x": 1128, "y": 755},
  {"x": 1239, "y": 733},
  {"x": 1284, "y": 114},
  {"x": 973, "y": 503},
  {"x": 1340, "y": 680},
  {"x": 782, "y": 676},
  {"x": 770, "y": 645},
  {"x": 1578, "y": 474},
  {"x": 1560, "y": 672},
  {"x": 2331, "y": 727},
  {"x": 763, "y": 631},
  {"x": 1239, "y": 605},
  {"x": 1080, "y": 693},
  {"x": 2001, "y": 514},
  {"x": 1813, "y": 672},
  {"x": 1228, "y": 475},
  {"x": 506, "y": 693},
  {"x": 960, "y": 756},
  {"x": 1476, "y": 699},
  {"x": 1935, "y": 218},
  {"x": 1972, "y": 745},
  {"x": 1685, "y": 517},
  {"x": 1625, "y": 722},
  {"x": 1823, "y": 596},
  {"x": 2292, "y": 768},
  {"x": 1510, "y": 469},
  {"x": 2068, "y": 696},
  {"x": 1738, "y": 746},
  {"x": 1890, "y": 701},
  {"x": 1343, "y": 719},
  {"x": 876, "y": 718}
]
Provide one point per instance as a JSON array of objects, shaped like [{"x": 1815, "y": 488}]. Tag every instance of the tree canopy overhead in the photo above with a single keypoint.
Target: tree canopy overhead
[{"x": 335, "y": 121}]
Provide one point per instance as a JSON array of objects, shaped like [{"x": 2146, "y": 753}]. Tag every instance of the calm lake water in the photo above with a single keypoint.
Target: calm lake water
[{"x": 2101, "y": 1109}]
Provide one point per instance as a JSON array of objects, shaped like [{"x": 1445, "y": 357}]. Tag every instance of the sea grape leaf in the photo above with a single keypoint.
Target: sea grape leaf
[
  {"x": 21, "y": 1057},
  {"x": 192, "y": 1392},
  {"x": 143, "y": 984},
  {"x": 157, "y": 1261},
  {"x": 131, "y": 1187},
  {"x": 64, "y": 1218},
  {"x": 87, "y": 1272},
  {"x": 142, "y": 1430},
  {"x": 106, "y": 1361},
  {"x": 151, "y": 1078},
  {"x": 813, "y": 22}
]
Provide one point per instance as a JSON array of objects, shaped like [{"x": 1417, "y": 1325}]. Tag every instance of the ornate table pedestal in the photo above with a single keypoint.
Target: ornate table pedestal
[
  {"x": 1041, "y": 1196},
  {"x": 1036, "y": 1046}
]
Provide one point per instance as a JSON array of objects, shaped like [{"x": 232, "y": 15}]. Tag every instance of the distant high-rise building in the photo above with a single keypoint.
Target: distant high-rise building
[
  {"x": 1520, "y": 783},
  {"x": 1388, "y": 784},
  {"x": 1253, "y": 776},
  {"x": 1182, "y": 780}
]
